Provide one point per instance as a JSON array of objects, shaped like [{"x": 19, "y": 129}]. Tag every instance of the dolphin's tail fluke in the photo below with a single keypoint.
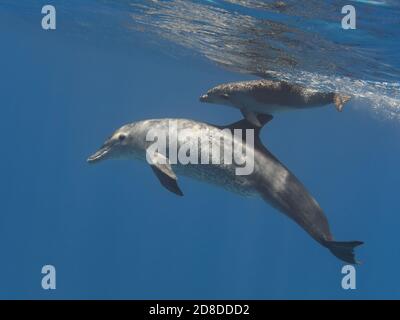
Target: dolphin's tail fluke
[
  {"x": 344, "y": 250},
  {"x": 340, "y": 100}
]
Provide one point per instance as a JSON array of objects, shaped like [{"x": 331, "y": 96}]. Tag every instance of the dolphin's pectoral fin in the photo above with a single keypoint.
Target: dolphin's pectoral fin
[
  {"x": 340, "y": 100},
  {"x": 166, "y": 180},
  {"x": 251, "y": 116},
  {"x": 161, "y": 167}
]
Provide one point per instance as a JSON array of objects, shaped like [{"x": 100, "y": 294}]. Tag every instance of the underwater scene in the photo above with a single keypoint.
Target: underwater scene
[{"x": 187, "y": 149}]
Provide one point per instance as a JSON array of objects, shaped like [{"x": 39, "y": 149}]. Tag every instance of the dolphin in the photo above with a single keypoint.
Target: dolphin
[
  {"x": 268, "y": 97},
  {"x": 269, "y": 179}
]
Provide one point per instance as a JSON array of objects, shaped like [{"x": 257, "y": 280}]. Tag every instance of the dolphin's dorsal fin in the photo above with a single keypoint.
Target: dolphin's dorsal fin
[
  {"x": 263, "y": 119},
  {"x": 245, "y": 124},
  {"x": 251, "y": 116}
]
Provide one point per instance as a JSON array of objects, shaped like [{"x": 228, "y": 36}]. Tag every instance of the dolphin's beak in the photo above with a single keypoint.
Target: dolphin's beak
[
  {"x": 99, "y": 155},
  {"x": 204, "y": 98}
]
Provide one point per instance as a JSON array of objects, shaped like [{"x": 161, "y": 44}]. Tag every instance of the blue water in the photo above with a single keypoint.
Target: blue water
[{"x": 111, "y": 230}]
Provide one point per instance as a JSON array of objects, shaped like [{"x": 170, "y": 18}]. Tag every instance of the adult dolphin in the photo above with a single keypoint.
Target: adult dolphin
[
  {"x": 269, "y": 179},
  {"x": 268, "y": 97}
]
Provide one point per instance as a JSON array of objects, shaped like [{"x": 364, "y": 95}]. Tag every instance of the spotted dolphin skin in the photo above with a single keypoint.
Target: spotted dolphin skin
[
  {"x": 269, "y": 180},
  {"x": 268, "y": 97}
]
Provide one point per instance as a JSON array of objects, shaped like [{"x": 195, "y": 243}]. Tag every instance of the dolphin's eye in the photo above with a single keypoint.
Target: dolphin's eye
[
  {"x": 121, "y": 137},
  {"x": 224, "y": 96}
]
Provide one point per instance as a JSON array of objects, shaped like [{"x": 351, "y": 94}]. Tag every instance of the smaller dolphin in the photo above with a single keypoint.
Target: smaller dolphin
[{"x": 268, "y": 97}]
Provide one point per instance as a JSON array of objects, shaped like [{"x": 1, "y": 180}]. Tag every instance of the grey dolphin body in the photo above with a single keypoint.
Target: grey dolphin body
[
  {"x": 270, "y": 179},
  {"x": 268, "y": 97}
]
